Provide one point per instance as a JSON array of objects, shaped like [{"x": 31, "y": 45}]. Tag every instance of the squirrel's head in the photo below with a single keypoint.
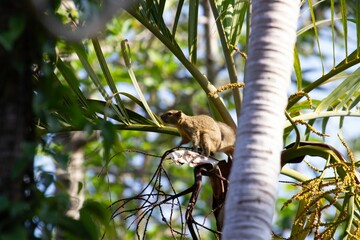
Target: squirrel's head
[{"x": 172, "y": 116}]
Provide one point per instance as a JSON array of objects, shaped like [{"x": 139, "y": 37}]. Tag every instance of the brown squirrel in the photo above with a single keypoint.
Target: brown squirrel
[{"x": 203, "y": 131}]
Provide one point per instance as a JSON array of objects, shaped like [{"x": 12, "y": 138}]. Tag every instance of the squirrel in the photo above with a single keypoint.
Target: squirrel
[{"x": 203, "y": 131}]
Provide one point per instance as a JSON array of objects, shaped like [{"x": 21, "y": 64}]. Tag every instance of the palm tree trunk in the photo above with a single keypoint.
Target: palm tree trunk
[{"x": 251, "y": 197}]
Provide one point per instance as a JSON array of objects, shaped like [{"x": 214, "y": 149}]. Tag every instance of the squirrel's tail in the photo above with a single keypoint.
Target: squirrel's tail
[{"x": 228, "y": 138}]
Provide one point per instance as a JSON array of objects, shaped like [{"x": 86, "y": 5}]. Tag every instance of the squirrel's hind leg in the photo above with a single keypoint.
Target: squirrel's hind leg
[{"x": 207, "y": 145}]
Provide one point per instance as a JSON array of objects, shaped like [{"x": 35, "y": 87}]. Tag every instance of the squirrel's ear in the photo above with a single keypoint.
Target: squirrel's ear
[{"x": 178, "y": 113}]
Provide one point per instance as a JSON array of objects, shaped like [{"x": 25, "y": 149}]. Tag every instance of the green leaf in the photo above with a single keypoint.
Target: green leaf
[
  {"x": 324, "y": 124},
  {"x": 297, "y": 229},
  {"x": 332, "y": 10},
  {"x": 344, "y": 22},
  {"x": 97, "y": 210},
  {"x": 313, "y": 25},
  {"x": 240, "y": 11},
  {"x": 108, "y": 134},
  {"x": 225, "y": 12},
  {"x": 99, "y": 106},
  {"x": 192, "y": 25},
  {"x": 177, "y": 17},
  {"x": 355, "y": 102},
  {"x": 68, "y": 73},
  {"x": 15, "y": 28},
  {"x": 297, "y": 68},
  {"x": 312, "y": 13},
  {"x": 74, "y": 229},
  {"x": 162, "y": 7},
  {"x": 80, "y": 51},
  {"x": 324, "y": 114},
  {"x": 123, "y": 116},
  {"x": 342, "y": 66},
  {"x": 80, "y": 187},
  {"x": 16, "y": 232},
  {"x": 342, "y": 94},
  {"x": 230, "y": 64},
  {"x": 125, "y": 49},
  {"x": 357, "y": 15}
]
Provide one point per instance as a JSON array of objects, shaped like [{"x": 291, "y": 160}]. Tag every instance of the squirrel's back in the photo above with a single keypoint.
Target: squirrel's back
[{"x": 203, "y": 131}]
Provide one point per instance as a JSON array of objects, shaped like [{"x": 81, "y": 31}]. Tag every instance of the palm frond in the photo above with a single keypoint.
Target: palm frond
[
  {"x": 343, "y": 95},
  {"x": 316, "y": 32},
  {"x": 192, "y": 29},
  {"x": 352, "y": 60},
  {"x": 125, "y": 49},
  {"x": 80, "y": 51},
  {"x": 109, "y": 80}
]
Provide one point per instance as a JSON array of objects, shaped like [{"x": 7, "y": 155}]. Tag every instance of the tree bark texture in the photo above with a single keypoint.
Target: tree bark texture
[
  {"x": 20, "y": 47},
  {"x": 16, "y": 121},
  {"x": 252, "y": 190}
]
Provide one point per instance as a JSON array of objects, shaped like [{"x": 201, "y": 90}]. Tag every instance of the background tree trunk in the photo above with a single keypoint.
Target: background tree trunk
[
  {"x": 21, "y": 48},
  {"x": 252, "y": 189},
  {"x": 73, "y": 176},
  {"x": 17, "y": 147}
]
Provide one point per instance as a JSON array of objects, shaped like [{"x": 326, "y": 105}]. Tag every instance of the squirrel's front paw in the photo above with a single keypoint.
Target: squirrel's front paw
[{"x": 197, "y": 149}]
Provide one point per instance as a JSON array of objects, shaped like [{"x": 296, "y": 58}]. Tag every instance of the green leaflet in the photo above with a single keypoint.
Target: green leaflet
[
  {"x": 341, "y": 96},
  {"x": 192, "y": 28},
  {"x": 125, "y": 49}
]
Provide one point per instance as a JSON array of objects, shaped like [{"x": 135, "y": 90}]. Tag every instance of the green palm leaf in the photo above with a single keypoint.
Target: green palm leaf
[
  {"x": 125, "y": 49},
  {"x": 192, "y": 25},
  {"x": 342, "y": 96}
]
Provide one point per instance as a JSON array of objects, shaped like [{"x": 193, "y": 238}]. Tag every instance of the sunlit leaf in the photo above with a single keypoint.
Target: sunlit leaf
[
  {"x": 123, "y": 117},
  {"x": 80, "y": 51},
  {"x": 341, "y": 94},
  {"x": 316, "y": 32},
  {"x": 240, "y": 11},
  {"x": 298, "y": 70},
  {"x": 344, "y": 23},
  {"x": 125, "y": 48}
]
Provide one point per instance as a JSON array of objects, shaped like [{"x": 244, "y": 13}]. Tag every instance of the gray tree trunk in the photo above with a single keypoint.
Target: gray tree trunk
[
  {"x": 252, "y": 190},
  {"x": 73, "y": 176}
]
